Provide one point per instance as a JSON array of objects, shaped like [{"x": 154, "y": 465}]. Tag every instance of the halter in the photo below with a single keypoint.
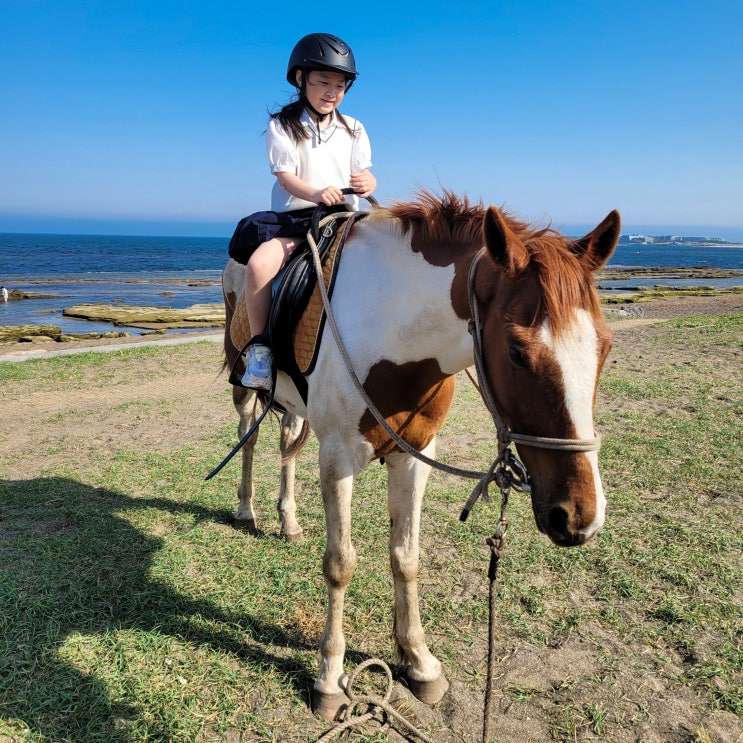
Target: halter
[
  {"x": 507, "y": 470},
  {"x": 505, "y": 435}
]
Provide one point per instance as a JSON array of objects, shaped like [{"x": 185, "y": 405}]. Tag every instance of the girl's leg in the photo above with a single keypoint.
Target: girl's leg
[{"x": 262, "y": 268}]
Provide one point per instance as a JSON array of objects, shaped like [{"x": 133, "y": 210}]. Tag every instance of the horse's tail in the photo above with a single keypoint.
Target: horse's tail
[{"x": 293, "y": 451}]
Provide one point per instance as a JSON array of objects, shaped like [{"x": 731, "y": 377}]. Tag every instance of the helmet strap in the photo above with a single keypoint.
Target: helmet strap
[
  {"x": 320, "y": 117},
  {"x": 306, "y": 103}
]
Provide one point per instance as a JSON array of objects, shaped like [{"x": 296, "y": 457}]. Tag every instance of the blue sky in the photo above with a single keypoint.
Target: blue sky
[{"x": 147, "y": 117}]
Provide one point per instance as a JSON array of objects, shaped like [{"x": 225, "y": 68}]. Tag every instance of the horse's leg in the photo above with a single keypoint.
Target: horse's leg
[
  {"x": 406, "y": 484},
  {"x": 329, "y": 696},
  {"x": 293, "y": 435},
  {"x": 248, "y": 407}
]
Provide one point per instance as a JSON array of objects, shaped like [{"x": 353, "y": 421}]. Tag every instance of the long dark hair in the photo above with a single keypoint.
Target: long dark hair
[{"x": 289, "y": 117}]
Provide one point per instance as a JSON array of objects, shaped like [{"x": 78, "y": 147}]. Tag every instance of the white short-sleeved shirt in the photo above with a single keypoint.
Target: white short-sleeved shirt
[{"x": 328, "y": 162}]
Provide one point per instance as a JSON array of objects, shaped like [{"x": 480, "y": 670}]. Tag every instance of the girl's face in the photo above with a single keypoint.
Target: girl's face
[{"x": 325, "y": 90}]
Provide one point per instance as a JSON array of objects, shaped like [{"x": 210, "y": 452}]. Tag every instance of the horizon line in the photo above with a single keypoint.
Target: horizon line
[{"x": 224, "y": 229}]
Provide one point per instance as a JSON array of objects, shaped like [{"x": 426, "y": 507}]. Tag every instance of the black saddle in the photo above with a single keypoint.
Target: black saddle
[{"x": 294, "y": 285}]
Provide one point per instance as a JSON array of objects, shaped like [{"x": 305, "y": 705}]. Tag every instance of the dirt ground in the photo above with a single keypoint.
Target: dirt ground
[{"x": 201, "y": 399}]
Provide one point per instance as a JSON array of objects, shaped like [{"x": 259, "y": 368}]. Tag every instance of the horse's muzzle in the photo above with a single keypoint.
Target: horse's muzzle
[{"x": 555, "y": 523}]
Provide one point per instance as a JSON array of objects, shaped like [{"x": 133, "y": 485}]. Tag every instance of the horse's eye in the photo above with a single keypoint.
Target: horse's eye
[{"x": 516, "y": 356}]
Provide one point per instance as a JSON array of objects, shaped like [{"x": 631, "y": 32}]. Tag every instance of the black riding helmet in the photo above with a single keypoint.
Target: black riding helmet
[{"x": 322, "y": 52}]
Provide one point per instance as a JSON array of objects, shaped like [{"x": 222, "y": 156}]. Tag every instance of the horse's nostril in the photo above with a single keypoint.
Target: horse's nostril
[{"x": 558, "y": 520}]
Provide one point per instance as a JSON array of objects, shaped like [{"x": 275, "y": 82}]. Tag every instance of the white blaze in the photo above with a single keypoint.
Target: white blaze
[{"x": 576, "y": 352}]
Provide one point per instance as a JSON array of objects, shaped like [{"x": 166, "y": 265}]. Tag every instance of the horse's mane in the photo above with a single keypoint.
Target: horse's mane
[
  {"x": 445, "y": 218},
  {"x": 448, "y": 218}
]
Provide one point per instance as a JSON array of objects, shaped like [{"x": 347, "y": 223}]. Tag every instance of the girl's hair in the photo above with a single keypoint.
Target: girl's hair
[{"x": 289, "y": 117}]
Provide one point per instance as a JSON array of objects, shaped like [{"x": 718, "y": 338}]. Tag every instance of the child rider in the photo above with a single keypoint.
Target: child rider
[{"x": 314, "y": 151}]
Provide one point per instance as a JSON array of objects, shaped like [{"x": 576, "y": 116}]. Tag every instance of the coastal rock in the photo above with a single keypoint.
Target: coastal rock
[
  {"x": 624, "y": 311},
  {"x": 51, "y": 334},
  {"x": 195, "y": 316},
  {"x": 13, "y": 334},
  {"x": 36, "y": 339},
  {"x": 18, "y": 294}
]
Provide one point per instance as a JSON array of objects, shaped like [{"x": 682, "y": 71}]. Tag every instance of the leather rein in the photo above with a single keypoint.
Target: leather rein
[{"x": 507, "y": 470}]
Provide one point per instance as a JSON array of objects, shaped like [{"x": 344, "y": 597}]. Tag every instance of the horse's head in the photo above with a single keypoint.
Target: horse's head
[{"x": 544, "y": 344}]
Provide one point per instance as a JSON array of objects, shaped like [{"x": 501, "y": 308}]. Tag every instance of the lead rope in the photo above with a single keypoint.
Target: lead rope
[
  {"x": 349, "y": 721},
  {"x": 497, "y": 547}
]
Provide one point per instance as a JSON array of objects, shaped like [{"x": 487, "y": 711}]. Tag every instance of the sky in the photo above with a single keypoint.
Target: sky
[{"x": 147, "y": 117}]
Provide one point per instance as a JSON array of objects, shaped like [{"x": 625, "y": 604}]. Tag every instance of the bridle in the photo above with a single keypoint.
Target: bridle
[
  {"x": 505, "y": 435},
  {"x": 508, "y": 471}
]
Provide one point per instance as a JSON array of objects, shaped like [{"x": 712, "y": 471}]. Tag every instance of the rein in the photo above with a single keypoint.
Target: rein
[{"x": 507, "y": 470}]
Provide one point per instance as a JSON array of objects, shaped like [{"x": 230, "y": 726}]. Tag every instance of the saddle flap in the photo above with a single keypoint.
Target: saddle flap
[{"x": 297, "y": 315}]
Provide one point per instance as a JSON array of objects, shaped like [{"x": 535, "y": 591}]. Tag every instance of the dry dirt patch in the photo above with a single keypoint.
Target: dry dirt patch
[{"x": 117, "y": 406}]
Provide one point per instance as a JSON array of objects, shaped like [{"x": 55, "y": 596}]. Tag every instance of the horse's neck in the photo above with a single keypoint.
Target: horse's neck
[{"x": 410, "y": 297}]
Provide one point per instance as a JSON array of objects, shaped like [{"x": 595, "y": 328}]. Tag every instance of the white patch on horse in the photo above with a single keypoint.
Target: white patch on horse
[
  {"x": 576, "y": 351},
  {"x": 376, "y": 325}
]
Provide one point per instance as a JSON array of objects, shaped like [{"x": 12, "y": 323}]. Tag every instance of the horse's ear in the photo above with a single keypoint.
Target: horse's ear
[
  {"x": 595, "y": 248},
  {"x": 504, "y": 247}
]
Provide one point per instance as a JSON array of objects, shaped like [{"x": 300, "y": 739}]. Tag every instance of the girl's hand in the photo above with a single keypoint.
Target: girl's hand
[
  {"x": 329, "y": 195},
  {"x": 363, "y": 183}
]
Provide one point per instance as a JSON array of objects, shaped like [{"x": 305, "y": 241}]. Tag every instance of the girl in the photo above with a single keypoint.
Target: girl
[{"x": 314, "y": 152}]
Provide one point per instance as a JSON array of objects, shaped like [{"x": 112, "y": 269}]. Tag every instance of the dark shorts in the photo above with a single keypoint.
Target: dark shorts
[{"x": 260, "y": 227}]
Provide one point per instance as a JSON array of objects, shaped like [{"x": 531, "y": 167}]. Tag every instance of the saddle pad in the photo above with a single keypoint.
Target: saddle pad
[
  {"x": 307, "y": 331},
  {"x": 239, "y": 326},
  {"x": 309, "y": 327}
]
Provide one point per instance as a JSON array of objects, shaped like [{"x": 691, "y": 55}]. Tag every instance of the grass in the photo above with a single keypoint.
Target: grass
[{"x": 132, "y": 611}]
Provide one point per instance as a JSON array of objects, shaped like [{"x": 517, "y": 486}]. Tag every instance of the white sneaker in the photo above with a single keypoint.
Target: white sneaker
[{"x": 258, "y": 372}]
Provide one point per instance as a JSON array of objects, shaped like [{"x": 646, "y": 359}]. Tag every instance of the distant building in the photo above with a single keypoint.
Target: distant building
[{"x": 668, "y": 240}]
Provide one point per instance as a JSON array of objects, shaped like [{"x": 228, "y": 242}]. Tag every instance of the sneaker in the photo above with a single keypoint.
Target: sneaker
[{"x": 258, "y": 372}]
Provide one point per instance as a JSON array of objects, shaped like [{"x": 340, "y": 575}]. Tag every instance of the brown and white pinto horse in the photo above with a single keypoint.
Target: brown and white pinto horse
[{"x": 402, "y": 308}]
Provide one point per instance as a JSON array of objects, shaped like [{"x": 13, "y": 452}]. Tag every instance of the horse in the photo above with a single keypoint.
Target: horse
[{"x": 403, "y": 303}]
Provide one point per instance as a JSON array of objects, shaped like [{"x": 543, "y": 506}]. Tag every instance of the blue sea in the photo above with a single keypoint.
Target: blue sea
[
  {"x": 180, "y": 271},
  {"x": 171, "y": 272}
]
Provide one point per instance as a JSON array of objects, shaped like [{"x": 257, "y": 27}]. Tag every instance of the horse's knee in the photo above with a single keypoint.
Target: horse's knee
[
  {"x": 404, "y": 564},
  {"x": 338, "y": 567}
]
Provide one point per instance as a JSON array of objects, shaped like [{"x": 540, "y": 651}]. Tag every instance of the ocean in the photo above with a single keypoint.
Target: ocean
[
  {"x": 180, "y": 271},
  {"x": 172, "y": 272}
]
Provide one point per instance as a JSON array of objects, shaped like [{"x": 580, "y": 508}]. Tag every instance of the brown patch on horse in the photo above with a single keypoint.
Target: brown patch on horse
[{"x": 414, "y": 398}]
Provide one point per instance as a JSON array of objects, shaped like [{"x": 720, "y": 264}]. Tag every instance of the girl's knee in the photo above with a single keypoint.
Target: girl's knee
[{"x": 266, "y": 259}]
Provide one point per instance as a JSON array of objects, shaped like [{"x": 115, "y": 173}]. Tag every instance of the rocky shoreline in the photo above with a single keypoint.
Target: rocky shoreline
[{"x": 630, "y": 302}]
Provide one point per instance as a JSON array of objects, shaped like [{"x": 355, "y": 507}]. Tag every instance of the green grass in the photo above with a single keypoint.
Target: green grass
[{"x": 132, "y": 611}]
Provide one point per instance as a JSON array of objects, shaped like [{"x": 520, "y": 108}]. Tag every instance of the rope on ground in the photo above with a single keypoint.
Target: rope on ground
[{"x": 376, "y": 704}]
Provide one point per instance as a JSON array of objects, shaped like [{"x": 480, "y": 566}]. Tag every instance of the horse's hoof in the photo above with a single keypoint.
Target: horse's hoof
[
  {"x": 429, "y": 692},
  {"x": 329, "y": 706},
  {"x": 245, "y": 525},
  {"x": 296, "y": 538}
]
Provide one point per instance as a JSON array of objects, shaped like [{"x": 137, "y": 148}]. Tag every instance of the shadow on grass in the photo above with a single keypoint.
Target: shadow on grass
[{"x": 69, "y": 564}]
